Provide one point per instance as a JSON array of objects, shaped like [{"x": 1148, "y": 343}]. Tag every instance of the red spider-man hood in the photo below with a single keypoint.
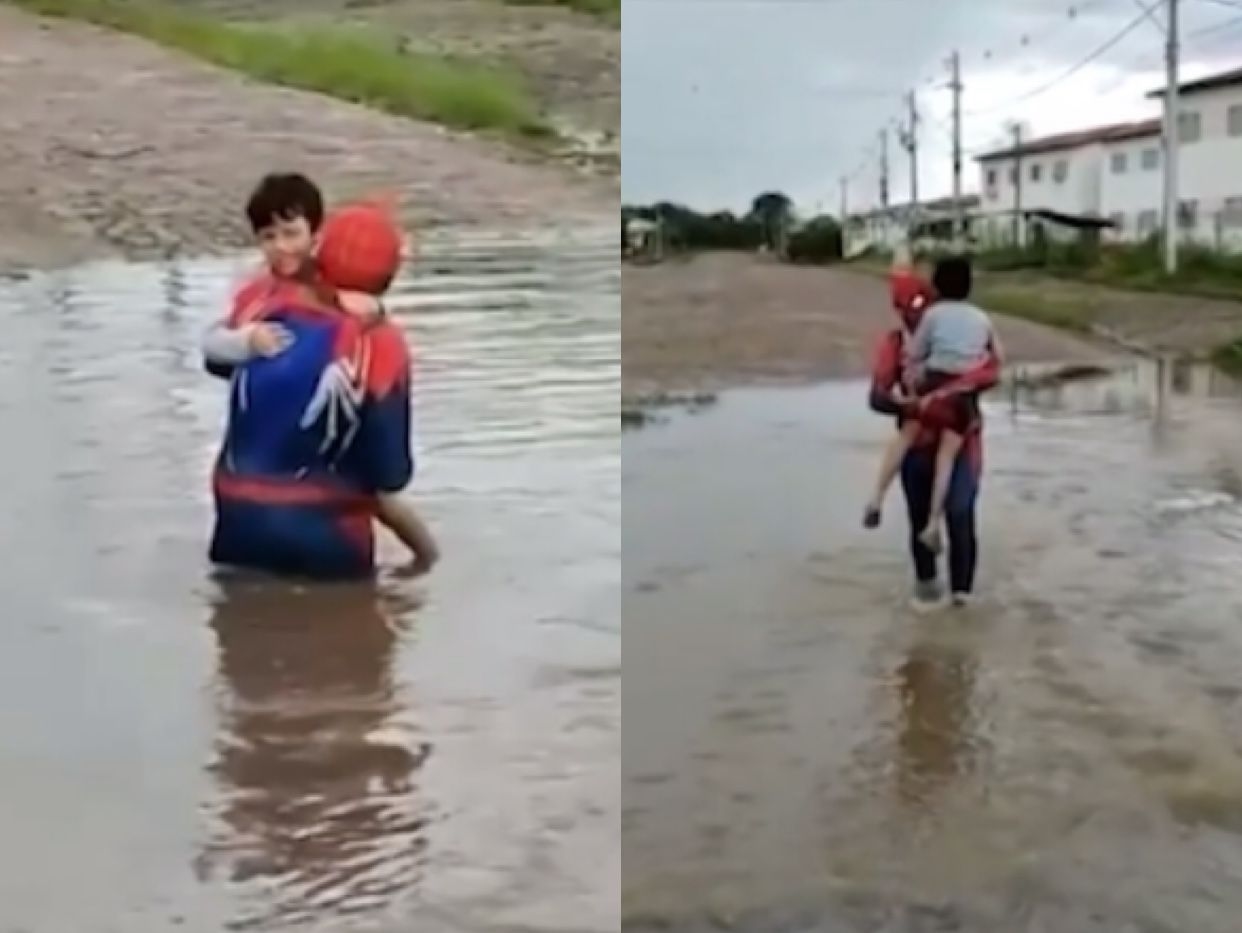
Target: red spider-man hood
[{"x": 911, "y": 294}]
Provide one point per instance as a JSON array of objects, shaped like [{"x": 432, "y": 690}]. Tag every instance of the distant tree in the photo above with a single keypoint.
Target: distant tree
[
  {"x": 773, "y": 211},
  {"x": 817, "y": 241},
  {"x": 686, "y": 229}
]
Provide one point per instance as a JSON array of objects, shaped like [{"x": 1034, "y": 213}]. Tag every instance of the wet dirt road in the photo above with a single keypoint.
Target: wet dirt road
[
  {"x": 803, "y": 753},
  {"x": 183, "y": 752}
]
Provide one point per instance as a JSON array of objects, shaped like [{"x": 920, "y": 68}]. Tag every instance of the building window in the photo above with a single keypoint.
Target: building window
[
  {"x": 991, "y": 178},
  {"x": 1190, "y": 127},
  {"x": 1188, "y": 214},
  {"x": 1037, "y": 171},
  {"x": 1235, "y": 120},
  {"x": 1119, "y": 163},
  {"x": 1146, "y": 223},
  {"x": 1060, "y": 170},
  {"x": 1231, "y": 216},
  {"x": 1013, "y": 176},
  {"x": 1151, "y": 159}
]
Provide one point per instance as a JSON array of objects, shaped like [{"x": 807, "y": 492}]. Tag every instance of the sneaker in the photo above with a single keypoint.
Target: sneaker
[
  {"x": 963, "y": 599},
  {"x": 928, "y": 595}
]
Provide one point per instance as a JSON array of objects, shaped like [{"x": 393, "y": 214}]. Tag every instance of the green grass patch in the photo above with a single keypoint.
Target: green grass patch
[
  {"x": 351, "y": 64},
  {"x": 1202, "y": 272},
  {"x": 610, "y": 9},
  {"x": 1021, "y": 300},
  {"x": 1066, "y": 313},
  {"x": 1228, "y": 357}
]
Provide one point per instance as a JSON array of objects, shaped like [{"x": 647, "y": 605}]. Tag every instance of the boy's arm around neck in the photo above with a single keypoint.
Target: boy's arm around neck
[{"x": 225, "y": 348}]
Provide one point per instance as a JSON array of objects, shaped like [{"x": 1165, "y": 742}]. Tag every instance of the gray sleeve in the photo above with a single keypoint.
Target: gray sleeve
[{"x": 226, "y": 345}]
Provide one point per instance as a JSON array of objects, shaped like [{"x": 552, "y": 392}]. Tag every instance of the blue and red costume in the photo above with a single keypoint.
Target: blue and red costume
[
  {"x": 313, "y": 435},
  {"x": 911, "y": 296}
]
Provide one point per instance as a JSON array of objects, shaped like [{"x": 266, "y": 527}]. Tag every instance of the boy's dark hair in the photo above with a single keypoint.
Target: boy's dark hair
[
  {"x": 953, "y": 278},
  {"x": 284, "y": 196}
]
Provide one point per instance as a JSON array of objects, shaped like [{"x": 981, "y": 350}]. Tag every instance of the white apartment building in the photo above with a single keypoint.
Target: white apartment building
[
  {"x": 888, "y": 228},
  {"x": 1113, "y": 173}
]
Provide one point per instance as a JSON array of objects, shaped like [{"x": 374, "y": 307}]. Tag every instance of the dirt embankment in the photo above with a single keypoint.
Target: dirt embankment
[
  {"x": 725, "y": 319},
  {"x": 1176, "y": 325},
  {"x": 113, "y": 146},
  {"x": 571, "y": 60}
]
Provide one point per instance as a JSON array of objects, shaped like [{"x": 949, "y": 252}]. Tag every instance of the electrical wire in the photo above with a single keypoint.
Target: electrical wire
[{"x": 1069, "y": 73}]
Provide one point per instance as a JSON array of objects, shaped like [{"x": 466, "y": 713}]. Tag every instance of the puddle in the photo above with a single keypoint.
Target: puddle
[
  {"x": 802, "y": 752},
  {"x": 237, "y": 756}
]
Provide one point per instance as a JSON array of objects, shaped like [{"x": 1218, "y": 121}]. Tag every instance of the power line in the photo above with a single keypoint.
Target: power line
[
  {"x": 1218, "y": 27},
  {"x": 1149, "y": 10},
  {"x": 1065, "y": 76},
  {"x": 1152, "y": 60},
  {"x": 1075, "y": 12}
]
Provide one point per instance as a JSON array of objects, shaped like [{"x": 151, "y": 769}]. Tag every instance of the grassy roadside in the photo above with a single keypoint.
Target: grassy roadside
[
  {"x": 1088, "y": 304},
  {"x": 351, "y": 64},
  {"x": 1186, "y": 285},
  {"x": 609, "y": 9},
  {"x": 1065, "y": 313},
  {"x": 1228, "y": 357},
  {"x": 1074, "y": 314}
]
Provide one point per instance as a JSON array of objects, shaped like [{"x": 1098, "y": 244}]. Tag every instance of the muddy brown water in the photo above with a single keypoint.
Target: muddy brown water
[
  {"x": 181, "y": 751},
  {"x": 803, "y": 753}
]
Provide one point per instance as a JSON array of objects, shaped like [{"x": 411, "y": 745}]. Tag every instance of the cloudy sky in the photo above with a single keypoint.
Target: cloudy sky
[{"x": 723, "y": 99}]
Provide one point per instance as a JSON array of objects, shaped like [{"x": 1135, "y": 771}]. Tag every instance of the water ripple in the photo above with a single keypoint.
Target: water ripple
[{"x": 377, "y": 754}]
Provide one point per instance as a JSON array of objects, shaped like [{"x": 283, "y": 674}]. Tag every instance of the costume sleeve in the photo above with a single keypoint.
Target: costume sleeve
[
  {"x": 385, "y": 429},
  {"x": 885, "y": 374}
]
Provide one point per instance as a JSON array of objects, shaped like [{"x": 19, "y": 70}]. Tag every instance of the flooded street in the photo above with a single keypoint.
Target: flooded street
[
  {"x": 803, "y": 753},
  {"x": 185, "y": 752}
]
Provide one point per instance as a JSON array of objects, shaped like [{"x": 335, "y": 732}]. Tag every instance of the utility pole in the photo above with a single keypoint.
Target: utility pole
[
  {"x": 910, "y": 140},
  {"x": 959, "y": 212},
  {"x": 845, "y": 217},
  {"x": 883, "y": 226},
  {"x": 1016, "y": 129},
  {"x": 1172, "y": 140},
  {"x": 884, "y": 169}
]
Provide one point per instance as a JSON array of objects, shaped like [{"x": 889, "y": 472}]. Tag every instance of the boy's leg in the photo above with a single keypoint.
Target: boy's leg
[
  {"x": 946, "y": 456},
  {"x": 400, "y": 517},
  {"x": 894, "y": 454}
]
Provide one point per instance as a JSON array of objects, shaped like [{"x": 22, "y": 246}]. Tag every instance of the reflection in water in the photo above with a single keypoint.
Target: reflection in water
[
  {"x": 321, "y": 795},
  {"x": 314, "y": 769},
  {"x": 1063, "y": 755},
  {"x": 935, "y": 682}
]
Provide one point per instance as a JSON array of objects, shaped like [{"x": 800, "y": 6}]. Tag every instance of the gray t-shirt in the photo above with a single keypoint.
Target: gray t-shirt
[{"x": 953, "y": 337}]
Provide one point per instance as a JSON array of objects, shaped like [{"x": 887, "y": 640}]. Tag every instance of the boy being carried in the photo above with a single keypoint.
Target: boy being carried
[
  {"x": 359, "y": 253},
  {"x": 953, "y": 338}
]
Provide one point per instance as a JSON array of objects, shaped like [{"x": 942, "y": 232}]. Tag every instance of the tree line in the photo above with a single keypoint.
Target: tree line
[{"x": 773, "y": 223}]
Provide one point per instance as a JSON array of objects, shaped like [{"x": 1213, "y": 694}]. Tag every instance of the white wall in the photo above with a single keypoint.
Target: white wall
[
  {"x": 1078, "y": 192},
  {"x": 1210, "y": 173},
  {"x": 1127, "y": 194},
  {"x": 1211, "y": 169}
]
